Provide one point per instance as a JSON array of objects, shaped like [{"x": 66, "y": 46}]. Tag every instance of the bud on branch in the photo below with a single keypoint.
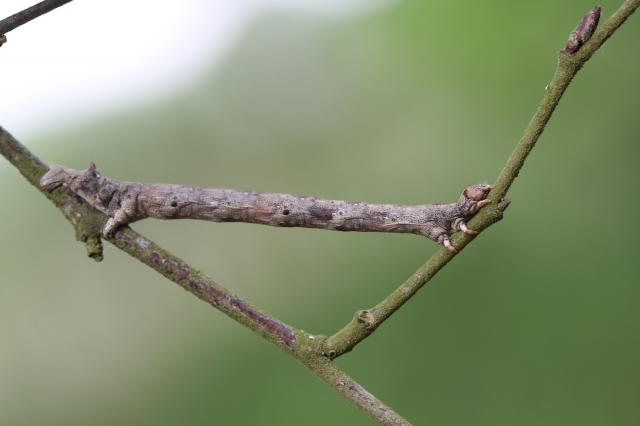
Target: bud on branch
[{"x": 583, "y": 31}]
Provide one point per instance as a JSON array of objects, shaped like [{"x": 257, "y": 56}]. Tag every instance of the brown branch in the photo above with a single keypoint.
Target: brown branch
[
  {"x": 569, "y": 63},
  {"x": 305, "y": 347},
  {"x": 127, "y": 202},
  {"x": 148, "y": 252},
  {"x": 17, "y": 19}
]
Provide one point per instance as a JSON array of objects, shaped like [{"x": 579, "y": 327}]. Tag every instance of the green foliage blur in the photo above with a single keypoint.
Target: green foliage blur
[{"x": 537, "y": 323}]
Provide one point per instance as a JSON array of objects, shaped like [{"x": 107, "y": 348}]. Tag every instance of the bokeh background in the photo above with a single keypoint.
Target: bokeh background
[{"x": 537, "y": 323}]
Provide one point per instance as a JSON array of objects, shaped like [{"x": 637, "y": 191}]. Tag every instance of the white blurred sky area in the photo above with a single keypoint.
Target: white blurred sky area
[{"x": 89, "y": 56}]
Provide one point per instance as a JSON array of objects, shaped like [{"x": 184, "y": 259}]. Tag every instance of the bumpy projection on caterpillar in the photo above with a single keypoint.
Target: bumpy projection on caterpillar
[{"x": 127, "y": 202}]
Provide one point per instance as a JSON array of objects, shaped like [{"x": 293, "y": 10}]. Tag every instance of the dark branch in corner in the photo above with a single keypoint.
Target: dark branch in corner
[{"x": 14, "y": 21}]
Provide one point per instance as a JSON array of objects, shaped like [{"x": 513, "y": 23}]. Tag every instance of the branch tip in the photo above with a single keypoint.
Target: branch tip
[
  {"x": 503, "y": 205},
  {"x": 583, "y": 31}
]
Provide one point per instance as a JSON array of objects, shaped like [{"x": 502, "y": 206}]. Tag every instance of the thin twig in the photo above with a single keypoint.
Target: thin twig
[
  {"x": 305, "y": 347},
  {"x": 366, "y": 321},
  {"x": 14, "y": 21}
]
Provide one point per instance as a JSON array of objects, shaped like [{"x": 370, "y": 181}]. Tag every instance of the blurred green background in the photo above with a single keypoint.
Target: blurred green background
[{"x": 535, "y": 324}]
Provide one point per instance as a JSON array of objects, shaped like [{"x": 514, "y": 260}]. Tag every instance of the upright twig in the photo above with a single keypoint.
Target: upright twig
[{"x": 569, "y": 63}]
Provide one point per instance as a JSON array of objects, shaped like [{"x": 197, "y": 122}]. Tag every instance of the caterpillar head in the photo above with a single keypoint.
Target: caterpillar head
[{"x": 79, "y": 181}]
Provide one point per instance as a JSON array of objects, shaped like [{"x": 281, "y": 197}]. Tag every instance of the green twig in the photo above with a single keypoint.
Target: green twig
[{"x": 366, "y": 321}]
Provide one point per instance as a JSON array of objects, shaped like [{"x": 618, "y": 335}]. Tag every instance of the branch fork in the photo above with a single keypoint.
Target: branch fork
[{"x": 97, "y": 205}]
